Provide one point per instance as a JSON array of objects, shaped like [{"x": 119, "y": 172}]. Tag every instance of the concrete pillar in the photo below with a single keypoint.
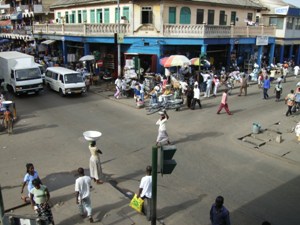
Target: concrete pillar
[
  {"x": 65, "y": 53},
  {"x": 271, "y": 53},
  {"x": 291, "y": 51},
  {"x": 281, "y": 53},
  {"x": 298, "y": 56},
  {"x": 259, "y": 55},
  {"x": 86, "y": 48},
  {"x": 231, "y": 46}
]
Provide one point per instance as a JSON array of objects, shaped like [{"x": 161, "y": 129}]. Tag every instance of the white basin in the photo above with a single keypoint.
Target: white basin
[{"x": 92, "y": 135}]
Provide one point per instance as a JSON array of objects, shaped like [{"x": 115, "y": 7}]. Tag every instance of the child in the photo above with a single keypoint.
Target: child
[{"x": 30, "y": 175}]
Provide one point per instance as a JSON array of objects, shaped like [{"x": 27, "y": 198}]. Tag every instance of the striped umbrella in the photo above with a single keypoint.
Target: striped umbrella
[
  {"x": 177, "y": 60},
  {"x": 163, "y": 60}
]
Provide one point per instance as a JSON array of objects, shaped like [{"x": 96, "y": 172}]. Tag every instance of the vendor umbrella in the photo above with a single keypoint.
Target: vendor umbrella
[
  {"x": 197, "y": 62},
  {"x": 163, "y": 60},
  {"x": 87, "y": 58},
  {"x": 177, "y": 60}
]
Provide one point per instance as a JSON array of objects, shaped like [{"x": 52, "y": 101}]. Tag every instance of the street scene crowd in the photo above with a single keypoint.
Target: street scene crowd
[{"x": 187, "y": 87}]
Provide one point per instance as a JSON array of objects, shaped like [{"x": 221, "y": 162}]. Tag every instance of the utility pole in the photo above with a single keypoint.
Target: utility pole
[
  {"x": 1, "y": 206},
  {"x": 154, "y": 185},
  {"x": 118, "y": 42}
]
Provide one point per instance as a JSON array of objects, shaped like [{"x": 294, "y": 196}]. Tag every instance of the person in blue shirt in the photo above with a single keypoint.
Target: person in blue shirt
[
  {"x": 219, "y": 215},
  {"x": 266, "y": 86}
]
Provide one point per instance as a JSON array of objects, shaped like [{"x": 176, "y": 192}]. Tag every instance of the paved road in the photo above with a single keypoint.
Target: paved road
[{"x": 211, "y": 160}]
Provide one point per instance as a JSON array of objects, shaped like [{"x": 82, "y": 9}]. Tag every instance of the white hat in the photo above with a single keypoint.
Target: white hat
[{"x": 196, "y": 83}]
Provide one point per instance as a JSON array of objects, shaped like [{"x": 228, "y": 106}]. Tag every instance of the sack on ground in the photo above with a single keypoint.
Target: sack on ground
[{"x": 136, "y": 203}]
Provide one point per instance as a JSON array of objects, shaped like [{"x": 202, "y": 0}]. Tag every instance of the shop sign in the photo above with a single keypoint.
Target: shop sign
[
  {"x": 120, "y": 38},
  {"x": 100, "y": 63},
  {"x": 262, "y": 40},
  {"x": 282, "y": 10}
]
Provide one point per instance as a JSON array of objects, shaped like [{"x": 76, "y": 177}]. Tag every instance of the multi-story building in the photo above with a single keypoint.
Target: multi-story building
[
  {"x": 223, "y": 30},
  {"x": 21, "y": 15},
  {"x": 286, "y": 18}
]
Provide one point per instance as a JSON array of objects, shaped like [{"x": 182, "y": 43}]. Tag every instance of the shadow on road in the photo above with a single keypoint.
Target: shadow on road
[{"x": 197, "y": 136}]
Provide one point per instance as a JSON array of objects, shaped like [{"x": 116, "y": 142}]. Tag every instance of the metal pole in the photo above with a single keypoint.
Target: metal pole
[
  {"x": 119, "y": 46},
  {"x": 154, "y": 185},
  {"x": 1, "y": 206}
]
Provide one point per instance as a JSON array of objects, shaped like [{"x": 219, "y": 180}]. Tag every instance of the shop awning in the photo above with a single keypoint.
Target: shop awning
[{"x": 48, "y": 42}]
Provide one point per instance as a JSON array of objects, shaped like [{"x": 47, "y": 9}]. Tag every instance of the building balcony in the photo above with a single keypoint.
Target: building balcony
[{"x": 169, "y": 30}]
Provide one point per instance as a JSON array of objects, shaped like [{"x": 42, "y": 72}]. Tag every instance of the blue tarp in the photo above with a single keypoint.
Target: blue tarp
[{"x": 16, "y": 16}]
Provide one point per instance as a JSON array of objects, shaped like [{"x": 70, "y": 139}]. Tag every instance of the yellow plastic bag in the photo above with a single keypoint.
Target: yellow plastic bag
[{"x": 136, "y": 203}]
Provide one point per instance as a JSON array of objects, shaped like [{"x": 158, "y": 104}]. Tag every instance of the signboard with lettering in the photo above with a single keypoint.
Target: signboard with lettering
[
  {"x": 262, "y": 40},
  {"x": 282, "y": 10}
]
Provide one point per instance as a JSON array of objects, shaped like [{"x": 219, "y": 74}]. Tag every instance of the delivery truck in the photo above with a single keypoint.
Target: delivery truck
[{"x": 19, "y": 73}]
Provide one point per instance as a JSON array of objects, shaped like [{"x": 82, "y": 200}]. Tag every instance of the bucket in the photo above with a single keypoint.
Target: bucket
[{"x": 255, "y": 128}]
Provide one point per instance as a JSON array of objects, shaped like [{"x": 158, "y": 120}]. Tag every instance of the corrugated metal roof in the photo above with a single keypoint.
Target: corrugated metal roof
[{"x": 239, "y": 3}]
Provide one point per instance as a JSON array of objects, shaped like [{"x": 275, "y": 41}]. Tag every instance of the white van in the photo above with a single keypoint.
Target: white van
[{"x": 64, "y": 81}]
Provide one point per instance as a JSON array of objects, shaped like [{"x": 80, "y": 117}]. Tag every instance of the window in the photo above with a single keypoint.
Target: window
[
  {"x": 79, "y": 16},
  {"x": 106, "y": 15},
  {"x": 211, "y": 17},
  {"x": 185, "y": 15},
  {"x": 233, "y": 18},
  {"x": 117, "y": 15},
  {"x": 172, "y": 15},
  {"x": 99, "y": 16},
  {"x": 58, "y": 19},
  {"x": 289, "y": 23},
  {"x": 147, "y": 14},
  {"x": 278, "y": 22},
  {"x": 200, "y": 16},
  {"x": 126, "y": 13},
  {"x": 73, "y": 17},
  {"x": 297, "y": 25},
  {"x": 92, "y": 15},
  {"x": 223, "y": 18},
  {"x": 250, "y": 16},
  {"x": 84, "y": 16},
  {"x": 67, "y": 17}
]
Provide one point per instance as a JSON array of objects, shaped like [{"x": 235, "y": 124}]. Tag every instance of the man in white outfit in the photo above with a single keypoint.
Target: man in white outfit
[{"x": 82, "y": 193}]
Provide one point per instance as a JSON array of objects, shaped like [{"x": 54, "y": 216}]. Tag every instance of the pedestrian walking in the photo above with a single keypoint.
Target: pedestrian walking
[
  {"x": 162, "y": 130},
  {"x": 244, "y": 85},
  {"x": 145, "y": 191},
  {"x": 189, "y": 96},
  {"x": 118, "y": 83},
  {"x": 8, "y": 120},
  {"x": 39, "y": 197},
  {"x": 208, "y": 87},
  {"x": 196, "y": 97},
  {"x": 297, "y": 99},
  {"x": 30, "y": 175},
  {"x": 278, "y": 91},
  {"x": 260, "y": 80},
  {"x": 266, "y": 87},
  {"x": 83, "y": 195},
  {"x": 296, "y": 70},
  {"x": 95, "y": 163},
  {"x": 224, "y": 103},
  {"x": 219, "y": 215},
  {"x": 290, "y": 101},
  {"x": 216, "y": 82}
]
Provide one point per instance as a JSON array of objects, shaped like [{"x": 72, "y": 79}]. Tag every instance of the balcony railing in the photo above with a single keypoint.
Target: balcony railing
[{"x": 169, "y": 30}]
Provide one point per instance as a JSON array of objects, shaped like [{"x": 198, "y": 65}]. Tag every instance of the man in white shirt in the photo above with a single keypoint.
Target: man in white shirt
[
  {"x": 82, "y": 192},
  {"x": 145, "y": 188},
  {"x": 296, "y": 70},
  {"x": 196, "y": 98}
]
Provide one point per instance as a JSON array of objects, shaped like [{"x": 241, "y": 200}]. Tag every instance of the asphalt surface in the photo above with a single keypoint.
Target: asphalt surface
[{"x": 216, "y": 156}]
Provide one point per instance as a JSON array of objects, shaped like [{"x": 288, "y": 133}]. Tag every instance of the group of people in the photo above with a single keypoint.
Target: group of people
[{"x": 39, "y": 196}]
